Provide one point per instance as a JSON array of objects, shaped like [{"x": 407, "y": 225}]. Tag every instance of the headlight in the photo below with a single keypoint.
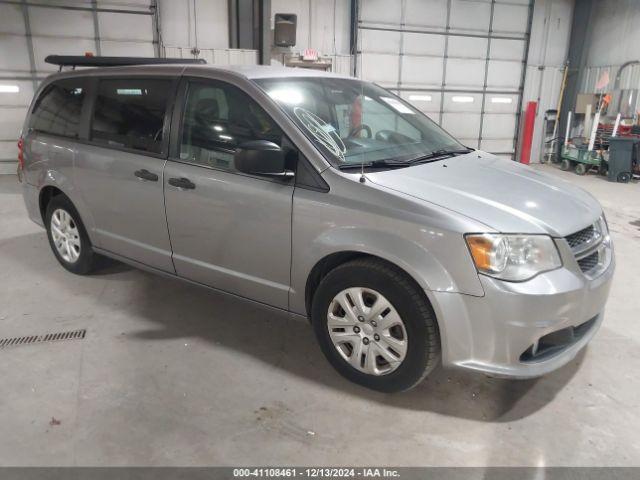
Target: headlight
[{"x": 513, "y": 257}]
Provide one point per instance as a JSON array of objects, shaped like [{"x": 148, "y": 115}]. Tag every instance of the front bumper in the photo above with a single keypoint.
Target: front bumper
[{"x": 497, "y": 334}]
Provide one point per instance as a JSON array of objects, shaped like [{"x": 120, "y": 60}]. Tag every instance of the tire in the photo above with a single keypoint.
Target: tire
[
  {"x": 80, "y": 260},
  {"x": 581, "y": 169},
  {"x": 624, "y": 177},
  {"x": 418, "y": 334},
  {"x": 565, "y": 165}
]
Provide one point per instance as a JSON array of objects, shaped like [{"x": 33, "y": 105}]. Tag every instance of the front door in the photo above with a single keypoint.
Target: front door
[
  {"x": 119, "y": 170},
  {"x": 228, "y": 230}
]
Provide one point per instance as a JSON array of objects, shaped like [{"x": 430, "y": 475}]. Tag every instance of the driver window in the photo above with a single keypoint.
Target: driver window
[{"x": 218, "y": 118}]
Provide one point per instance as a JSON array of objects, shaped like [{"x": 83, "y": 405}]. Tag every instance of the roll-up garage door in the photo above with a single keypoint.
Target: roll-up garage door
[
  {"x": 459, "y": 61},
  {"x": 31, "y": 30}
]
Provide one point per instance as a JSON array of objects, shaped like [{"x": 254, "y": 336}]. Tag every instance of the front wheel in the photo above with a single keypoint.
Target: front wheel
[
  {"x": 376, "y": 326},
  {"x": 68, "y": 237}
]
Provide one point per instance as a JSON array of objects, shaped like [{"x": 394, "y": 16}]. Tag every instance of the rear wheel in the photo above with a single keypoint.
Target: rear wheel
[
  {"x": 624, "y": 177},
  {"x": 565, "y": 165},
  {"x": 376, "y": 326},
  {"x": 581, "y": 169},
  {"x": 68, "y": 237}
]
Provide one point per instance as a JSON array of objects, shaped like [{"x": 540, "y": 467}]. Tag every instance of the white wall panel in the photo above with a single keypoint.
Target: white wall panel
[
  {"x": 470, "y": 15},
  {"x": 499, "y": 126},
  {"x": 378, "y": 41},
  {"x": 380, "y": 11},
  {"x": 504, "y": 74},
  {"x": 126, "y": 49},
  {"x": 493, "y": 145},
  {"x": 426, "y": 13},
  {"x": 53, "y": 22},
  {"x": 423, "y": 44},
  {"x": 11, "y": 20},
  {"x": 462, "y": 125},
  {"x": 11, "y": 120},
  {"x": 509, "y": 18},
  {"x": 380, "y": 68},
  {"x": 14, "y": 55},
  {"x": 178, "y": 21},
  {"x": 116, "y": 26},
  {"x": 502, "y": 49},
  {"x": 465, "y": 73},
  {"x": 421, "y": 71},
  {"x": 468, "y": 47}
]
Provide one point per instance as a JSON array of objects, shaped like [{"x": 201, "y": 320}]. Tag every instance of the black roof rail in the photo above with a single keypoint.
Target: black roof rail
[{"x": 91, "y": 61}]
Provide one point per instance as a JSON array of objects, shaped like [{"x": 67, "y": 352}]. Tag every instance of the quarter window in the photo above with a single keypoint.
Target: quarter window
[
  {"x": 217, "y": 119},
  {"x": 130, "y": 113},
  {"x": 58, "y": 109}
]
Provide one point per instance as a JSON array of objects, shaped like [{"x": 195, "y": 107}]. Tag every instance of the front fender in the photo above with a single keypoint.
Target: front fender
[{"x": 435, "y": 256}]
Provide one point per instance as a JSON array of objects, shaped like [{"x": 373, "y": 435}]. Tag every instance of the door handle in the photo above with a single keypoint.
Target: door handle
[
  {"x": 182, "y": 182},
  {"x": 145, "y": 174}
]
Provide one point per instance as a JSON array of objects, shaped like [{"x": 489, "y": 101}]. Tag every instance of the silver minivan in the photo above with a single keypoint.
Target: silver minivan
[{"x": 327, "y": 197}]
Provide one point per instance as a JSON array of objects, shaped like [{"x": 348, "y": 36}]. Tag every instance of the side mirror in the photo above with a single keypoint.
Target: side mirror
[{"x": 261, "y": 157}]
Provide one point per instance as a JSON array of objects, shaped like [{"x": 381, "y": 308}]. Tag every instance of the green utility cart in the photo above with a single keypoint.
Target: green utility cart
[{"x": 581, "y": 160}]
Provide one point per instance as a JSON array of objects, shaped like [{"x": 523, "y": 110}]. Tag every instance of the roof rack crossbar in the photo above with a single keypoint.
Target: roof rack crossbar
[{"x": 91, "y": 61}]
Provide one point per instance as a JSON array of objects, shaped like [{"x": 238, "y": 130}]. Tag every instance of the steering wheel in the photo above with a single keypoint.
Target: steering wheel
[{"x": 356, "y": 130}]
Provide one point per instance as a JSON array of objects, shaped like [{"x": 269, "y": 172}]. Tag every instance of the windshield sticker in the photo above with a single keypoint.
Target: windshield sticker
[
  {"x": 397, "y": 105},
  {"x": 322, "y": 131}
]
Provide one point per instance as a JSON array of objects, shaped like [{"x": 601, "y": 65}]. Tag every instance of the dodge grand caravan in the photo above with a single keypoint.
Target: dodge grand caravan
[{"x": 327, "y": 197}]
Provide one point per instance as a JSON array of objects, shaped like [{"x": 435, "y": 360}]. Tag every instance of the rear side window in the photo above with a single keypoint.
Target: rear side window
[
  {"x": 130, "y": 113},
  {"x": 58, "y": 109}
]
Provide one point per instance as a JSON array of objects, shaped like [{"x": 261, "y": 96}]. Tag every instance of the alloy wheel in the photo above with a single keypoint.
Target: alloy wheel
[{"x": 66, "y": 236}]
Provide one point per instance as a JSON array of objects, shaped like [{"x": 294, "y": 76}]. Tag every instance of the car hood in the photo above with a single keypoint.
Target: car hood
[{"x": 504, "y": 195}]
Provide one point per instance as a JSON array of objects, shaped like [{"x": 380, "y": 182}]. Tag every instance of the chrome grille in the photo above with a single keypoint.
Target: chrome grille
[
  {"x": 583, "y": 236},
  {"x": 589, "y": 262},
  {"x": 591, "y": 248}
]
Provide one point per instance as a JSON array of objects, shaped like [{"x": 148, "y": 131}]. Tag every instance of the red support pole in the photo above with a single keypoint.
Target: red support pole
[{"x": 527, "y": 132}]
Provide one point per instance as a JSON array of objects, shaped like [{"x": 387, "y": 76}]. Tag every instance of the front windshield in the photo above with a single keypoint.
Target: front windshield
[{"x": 354, "y": 122}]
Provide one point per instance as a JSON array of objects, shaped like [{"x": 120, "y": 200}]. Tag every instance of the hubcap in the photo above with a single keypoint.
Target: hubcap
[
  {"x": 367, "y": 331},
  {"x": 66, "y": 237}
]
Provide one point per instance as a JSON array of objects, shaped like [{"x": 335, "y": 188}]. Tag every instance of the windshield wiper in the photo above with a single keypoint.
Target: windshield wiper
[
  {"x": 437, "y": 154},
  {"x": 375, "y": 164}
]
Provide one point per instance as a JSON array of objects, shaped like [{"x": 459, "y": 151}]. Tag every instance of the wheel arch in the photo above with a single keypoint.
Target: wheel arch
[
  {"x": 333, "y": 260},
  {"x": 45, "y": 196}
]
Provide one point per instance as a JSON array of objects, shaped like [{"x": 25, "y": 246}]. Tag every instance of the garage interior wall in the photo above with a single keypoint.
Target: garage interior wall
[
  {"x": 612, "y": 41},
  {"x": 550, "y": 32},
  {"x": 322, "y": 25},
  {"x": 428, "y": 51}
]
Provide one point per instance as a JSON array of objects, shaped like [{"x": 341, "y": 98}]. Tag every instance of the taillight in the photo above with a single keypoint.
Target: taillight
[{"x": 21, "y": 153}]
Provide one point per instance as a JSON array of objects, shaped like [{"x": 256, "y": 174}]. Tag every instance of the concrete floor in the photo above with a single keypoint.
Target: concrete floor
[{"x": 171, "y": 374}]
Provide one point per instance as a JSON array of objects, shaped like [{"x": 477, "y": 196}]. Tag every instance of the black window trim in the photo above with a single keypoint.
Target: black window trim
[{"x": 166, "y": 133}]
